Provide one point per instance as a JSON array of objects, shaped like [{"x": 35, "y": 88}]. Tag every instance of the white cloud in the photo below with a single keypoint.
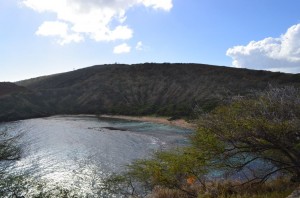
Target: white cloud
[
  {"x": 121, "y": 49},
  {"x": 91, "y": 18},
  {"x": 139, "y": 46},
  {"x": 60, "y": 30},
  {"x": 158, "y": 4},
  {"x": 274, "y": 54}
]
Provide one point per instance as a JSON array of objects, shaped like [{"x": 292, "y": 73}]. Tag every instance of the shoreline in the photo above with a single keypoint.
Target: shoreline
[{"x": 161, "y": 120}]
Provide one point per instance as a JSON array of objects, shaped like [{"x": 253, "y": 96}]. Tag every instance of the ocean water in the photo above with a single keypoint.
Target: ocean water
[{"x": 78, "y": 152}]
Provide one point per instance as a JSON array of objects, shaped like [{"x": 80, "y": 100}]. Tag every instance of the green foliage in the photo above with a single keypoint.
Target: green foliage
[
  {"x": 174, "y": 170},
  {"x": 265, "y": 128},
  {"x": 262, "y": 128}
]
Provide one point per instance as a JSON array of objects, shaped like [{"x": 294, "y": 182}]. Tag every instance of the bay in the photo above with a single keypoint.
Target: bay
[{"x": 78, "y": 152}]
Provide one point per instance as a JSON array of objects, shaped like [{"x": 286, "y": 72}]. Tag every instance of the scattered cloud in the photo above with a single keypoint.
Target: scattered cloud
[
  {"x": 79, "y": 19},
  {"x": 158, "y": 4},
  {"x": 274, "y": 54},
  {"x": 121, "y": 49},
  {"x": 139, "y": 46},
  {"x": 60, "y": 30}
]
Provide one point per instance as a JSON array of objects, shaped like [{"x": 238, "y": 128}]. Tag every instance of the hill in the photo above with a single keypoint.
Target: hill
[
  {"x": 7, "y": 88},
  {"x": 139, "y": 89},
  {"x": 17, "y": 102}
]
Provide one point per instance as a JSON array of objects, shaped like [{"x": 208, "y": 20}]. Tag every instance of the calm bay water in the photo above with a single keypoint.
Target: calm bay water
[{"x": 79, "y": 151}]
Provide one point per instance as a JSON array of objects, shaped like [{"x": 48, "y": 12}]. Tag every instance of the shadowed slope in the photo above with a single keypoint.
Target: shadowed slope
[
  {"x": 164, "y": 89},
  {"x": 9, "y": 88}
]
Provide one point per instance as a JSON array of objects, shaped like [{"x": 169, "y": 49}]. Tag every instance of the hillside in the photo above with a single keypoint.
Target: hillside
[
  {"x": 7, "y": 88},
  {"x": 163, "y": 89},
  {"x": 13, "y": 104},
  {"x": 17, "y": 102}
]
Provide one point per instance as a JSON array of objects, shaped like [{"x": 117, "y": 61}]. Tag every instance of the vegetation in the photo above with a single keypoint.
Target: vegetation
[
  {"x": 249, "y": 146},
  {"x": 8, "y": 149},
  {"x": 9, "y": 152},
  {"x": 9, "y": 88},
  {"x": 141, "y": 89},
  {"x": 265, "y": 129},
  {"x": 246, "y": 147}
]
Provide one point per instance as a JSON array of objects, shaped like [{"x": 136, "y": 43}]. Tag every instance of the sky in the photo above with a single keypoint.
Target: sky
[{"x": 43, "y": 37}]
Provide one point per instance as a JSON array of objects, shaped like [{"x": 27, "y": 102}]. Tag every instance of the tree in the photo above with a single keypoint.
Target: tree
[
  {"x": 9, "y": 151},
  {"x": 178, "y": 169},
  {"x": 257, "y": 135}
]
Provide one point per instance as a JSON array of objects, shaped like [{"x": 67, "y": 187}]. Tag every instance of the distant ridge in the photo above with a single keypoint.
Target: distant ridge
[{"x": 138, "y": 89}]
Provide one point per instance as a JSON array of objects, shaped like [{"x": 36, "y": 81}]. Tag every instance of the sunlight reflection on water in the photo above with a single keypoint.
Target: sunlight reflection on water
[{"x": 79, "y": 151}]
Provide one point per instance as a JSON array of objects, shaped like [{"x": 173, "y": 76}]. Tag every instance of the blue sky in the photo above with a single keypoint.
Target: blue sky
[{"x": 42, "y": 37}]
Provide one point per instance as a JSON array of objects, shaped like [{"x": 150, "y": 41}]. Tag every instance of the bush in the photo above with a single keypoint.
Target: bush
[
  {"x": 256, "y": 136},
  {"x": 262, "y": 130}
]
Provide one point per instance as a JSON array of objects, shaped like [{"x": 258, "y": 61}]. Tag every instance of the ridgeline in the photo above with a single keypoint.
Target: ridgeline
[{"x": 139, "y": 89}]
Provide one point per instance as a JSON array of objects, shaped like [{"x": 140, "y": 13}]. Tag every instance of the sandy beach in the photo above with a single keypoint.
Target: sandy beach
[{"x": 162, "y": 120}]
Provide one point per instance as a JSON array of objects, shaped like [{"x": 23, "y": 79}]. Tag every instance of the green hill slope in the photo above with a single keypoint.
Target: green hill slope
[{"x": 164, "y": 89}]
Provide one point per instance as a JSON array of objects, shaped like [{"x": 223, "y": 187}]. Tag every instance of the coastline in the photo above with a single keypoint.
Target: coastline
[{"x": 161, "y": 120}]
